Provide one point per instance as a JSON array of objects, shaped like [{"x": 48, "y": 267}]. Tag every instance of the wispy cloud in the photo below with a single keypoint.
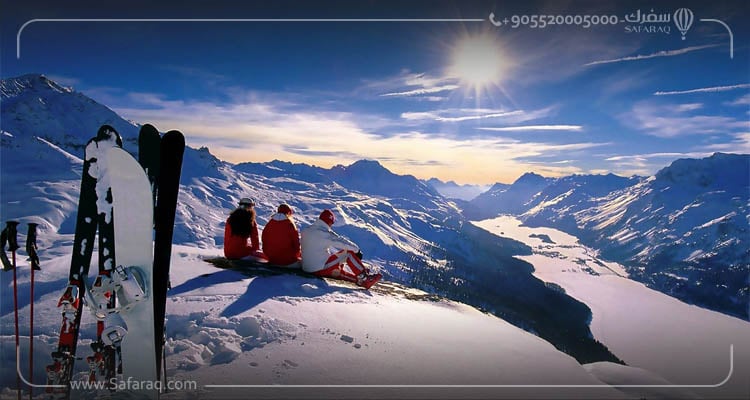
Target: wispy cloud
[
  {"x": 740, "y": 143},
  {"x": 663, "y": 53},
  {"x": 418, "y": 92},
  {"x": 437, "y": 117},
  {"x": 523, "y": 128},
  {"x": 407, "y": 84},
  {"x": 468, "y": 114},
  {"x": 650, "y": 156},
  {"x": 688, "y": 107},
  {"x": 742, "y": 101},
  {"x": 712, "y": 89},
  {"x": 647, "y": 164},
  {"x": 669, "y": 121}
]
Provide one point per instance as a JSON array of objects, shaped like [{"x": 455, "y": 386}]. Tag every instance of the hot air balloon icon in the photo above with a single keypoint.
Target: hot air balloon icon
[{"x": 683, "y": 19}]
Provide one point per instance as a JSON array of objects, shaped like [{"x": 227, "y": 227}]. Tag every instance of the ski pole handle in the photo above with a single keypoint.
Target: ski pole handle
[
  {"x": 9, "y": 238},
  {"x": 12, "y": 227},
  {"x": 31, "y": 247}
]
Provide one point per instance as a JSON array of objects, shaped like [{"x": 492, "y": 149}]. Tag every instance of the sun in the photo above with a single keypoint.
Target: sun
[{"x": 477, "y": 61}]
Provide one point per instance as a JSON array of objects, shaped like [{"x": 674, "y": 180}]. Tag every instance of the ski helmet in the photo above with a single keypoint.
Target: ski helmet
[
  {"x": 328, "y": 217},
  {"x": 285, "y": 209},
  {"x": 246, "y": 201}
]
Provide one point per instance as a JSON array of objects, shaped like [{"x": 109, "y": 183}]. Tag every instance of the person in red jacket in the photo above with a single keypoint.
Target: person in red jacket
[
  {"x": 240, "y": 227},
  {"x": 281, "y": 239}
]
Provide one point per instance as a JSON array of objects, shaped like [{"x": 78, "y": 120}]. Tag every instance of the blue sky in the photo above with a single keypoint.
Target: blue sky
[{"x": 459, "y": 100}]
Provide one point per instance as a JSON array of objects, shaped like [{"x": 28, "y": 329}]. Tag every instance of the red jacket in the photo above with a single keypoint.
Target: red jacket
[
  {"x": 281, "y": 240},
  {"x": 235, "y": 246}
]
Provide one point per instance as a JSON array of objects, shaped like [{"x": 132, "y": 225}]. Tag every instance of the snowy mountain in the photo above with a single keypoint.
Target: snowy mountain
[
  {"x": 453, "y": 190},
  {"x": 504, "y": 199},
  {"x": 683, "y": 231},
  {"x": 405, "y": 228},
  {"x": 563, "y": 196}
]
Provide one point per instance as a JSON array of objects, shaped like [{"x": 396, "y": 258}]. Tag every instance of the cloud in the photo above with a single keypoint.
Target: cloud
[
  {"x": 648, "y": 163},
  {"x": 407, "y": 84},
  {"x": 436, "y": 116},
  {"x": 742, "y": 101},
  {"x": 663, "y": 53},
  {"x": 688, "y": 107},
  {"x": 649, "y": 156},
  {"x": 670, "y": 121},
  {"x": 467, "y": 114},
  {"x": 523, "y": 128},
  {"x": 261, "y": 127},
  {"x": 418, "y": 92},
  {"x": 713, "y": 89},
  {"x": 321, "y": 153},
  {"x": 740, "y": 143}
]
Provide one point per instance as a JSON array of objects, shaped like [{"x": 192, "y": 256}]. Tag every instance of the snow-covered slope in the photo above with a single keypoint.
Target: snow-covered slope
[
  {"x": 36, "y": 106},
  {"x": 557, "y": 202},
  {"x": 226, "y": 328},
  {"x": 684, "y": 231}
]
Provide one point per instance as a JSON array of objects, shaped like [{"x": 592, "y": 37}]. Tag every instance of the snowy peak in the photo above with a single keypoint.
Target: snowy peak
[
  {"x": 13, "y": 87},
  {"x": 371, "y": 177},
  {"x": 503, "y": 199},
  {"x": 499, "y": 187},
  {"x": 286, "y": 170},
  {"x": 369, "y": 167},
  {"x": 531, "y": 179},
  {"x": 719, "y": 171},
  {"x": 36, "y": 106},
  {"x": 453, "y": 190}
]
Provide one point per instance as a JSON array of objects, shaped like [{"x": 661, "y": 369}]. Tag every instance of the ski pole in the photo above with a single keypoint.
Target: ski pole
[
  {"x": 34, "y": 260},
  {"x": 164, "y": 368},
  {"x": 12, "y": 238},
  {"x": 7, "y": 266}
]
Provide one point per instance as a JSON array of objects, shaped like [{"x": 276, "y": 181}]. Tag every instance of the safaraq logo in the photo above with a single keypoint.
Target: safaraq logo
[{"x": 683, "y": 19}]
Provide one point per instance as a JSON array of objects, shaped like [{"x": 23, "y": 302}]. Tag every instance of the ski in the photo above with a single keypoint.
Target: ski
[
  {"x": 172, "y": 149},
  {"x": 60, "y": 372},
  {"x": 104, "y": 357}
]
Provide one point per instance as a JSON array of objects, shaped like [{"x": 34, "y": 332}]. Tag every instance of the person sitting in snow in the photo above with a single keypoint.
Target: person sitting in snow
[
  {"x": 281, "y": 239},
  {"x": 240, "y": 227},
  {"x": 345, "y": 263}
]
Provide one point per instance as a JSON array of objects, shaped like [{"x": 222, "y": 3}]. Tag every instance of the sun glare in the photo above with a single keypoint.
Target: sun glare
[{"x": 477, "y": 61}]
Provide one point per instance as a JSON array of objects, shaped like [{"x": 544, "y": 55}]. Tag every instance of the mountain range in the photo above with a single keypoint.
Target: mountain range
[{"x": 683, "y": 231}]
